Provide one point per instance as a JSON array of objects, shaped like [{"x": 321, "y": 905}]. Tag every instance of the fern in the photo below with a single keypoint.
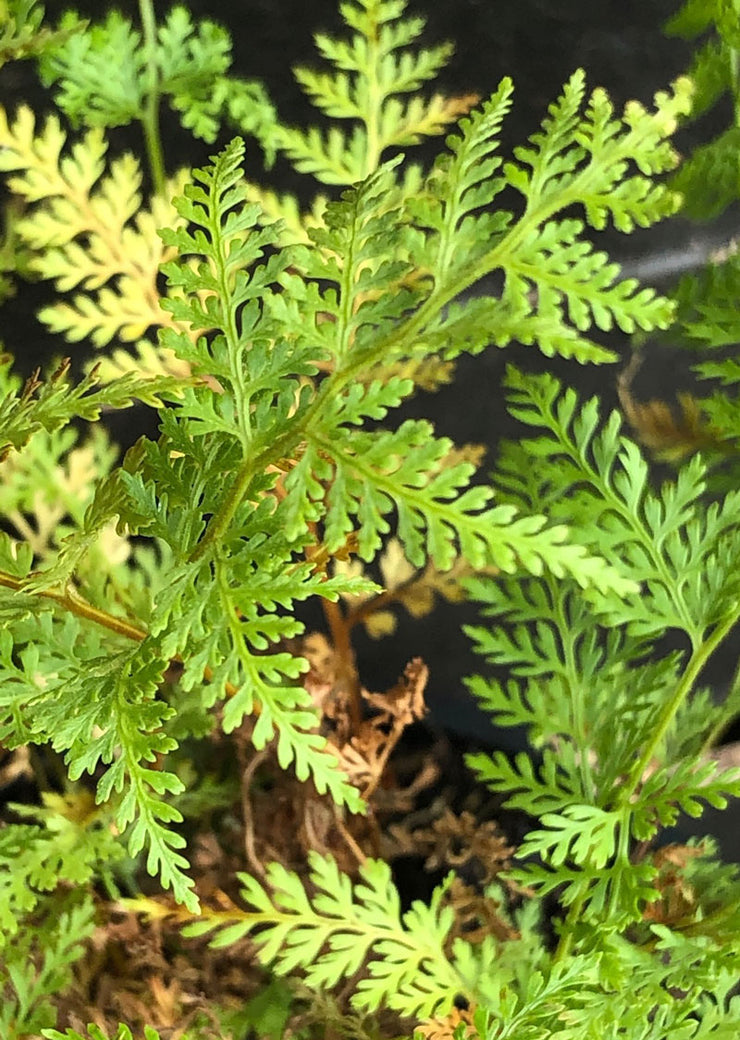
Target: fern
[
  {"x": 23, "y": 32},
  {"x": 708, "y": 182},
  {"x": 187, "y": 63},
  {"x": 575, "y": 664},
  {"x": 152, "y": 601},
  {"x": 38, "y": 965},
  {"x": 95, "y": 1033},
  {"x": 591, "y": 791},
  {"x": 413, "y": 976},
  {"x": 118, "y": 263},
  {"x": 373, "y": 70}
]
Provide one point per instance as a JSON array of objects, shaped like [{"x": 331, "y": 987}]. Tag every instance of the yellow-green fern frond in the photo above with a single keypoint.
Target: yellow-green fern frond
[
  {"x": 86, "y": 229},
  {"x": 285, "y": 208}
]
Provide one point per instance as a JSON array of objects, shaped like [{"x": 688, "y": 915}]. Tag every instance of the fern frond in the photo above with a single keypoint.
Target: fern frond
[
  {"x": 193, "y": 63},
  {"x": 38, "y": 966},
  {"x": 547, "y": 789},
  {"x": 229, "y": 290},
  {"x": 670, "y": 541},
  {"x": 707, "y": 179},
  {"x": 711, "y": 74},
  {"x": 692, "y": 18},
  {"x": 462, "y": 183},
  {"x": 101, "y": 73},
  {"x": 67, "y": 844},
  {"x": 102, "y": 76},
  {"x": 22, "y": 32},
  {"x": 582, "y": 834},
  {"x": 96, "y": 1033},
  {"x": 106, "y": 728},
  {"x": 705, "y": 305},
  {"x": 374, "y": 69},
  {"x": 550, "y": 270},
  {"x": 669, "y": 792},
  {"x": 221, "y": 613},
  {"x": 87, "y": 229},
  {"x": 593, "y": 149},
  {"x": 334, "y": 932},
  {"x": 52, "y": 404}
]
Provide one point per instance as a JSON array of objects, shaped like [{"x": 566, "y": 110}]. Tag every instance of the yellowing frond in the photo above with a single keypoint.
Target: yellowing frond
[
  {"x": 285, "y": 208},
  {"x": 86, "y": 228}
]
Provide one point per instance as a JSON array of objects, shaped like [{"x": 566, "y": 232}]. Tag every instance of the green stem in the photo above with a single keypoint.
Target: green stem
[
  {"x": 150, "y": 116},
  {"x": 392, "y": 344},
  {"x": 698, "y": 659},
  {"x": 566, "y": 935}
]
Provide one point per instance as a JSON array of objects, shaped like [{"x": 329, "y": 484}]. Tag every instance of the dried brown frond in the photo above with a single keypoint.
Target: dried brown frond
[
  {"x": 463, "y": 842},
  {"x": 677, "y": 901},
  {"x": 671, "y": 431},
  {"x": 445, "y": 1028},
  {"x": 476, "y": 915}
]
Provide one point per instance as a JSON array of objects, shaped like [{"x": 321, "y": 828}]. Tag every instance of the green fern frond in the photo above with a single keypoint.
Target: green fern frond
[
  {"x": 706, "y": 306},
  {"x": 711, "y": 74},
  {"x": 102, "y": 72},
  {"x": 52, "y": 404},
  {"x": 228, "y": 289},
  {"x": 549, "y": 268},
  {"x": 374, "y": 69},
  {"x": 692, "y": 18},
  {"x": 708, "y": 179},
  {"x": 338, "y": 929},
  {"x": 103, "y": 76},
  {"x": 52, "y": 946},
  {"x": 105, "y": 728},
  {"x": 96, "y": 1033},
  {"x": 22, "y": 32},
  {"x": 67, "y": 845},
  {"x": 224, "y": 624},
  {"x": 670, "y": 541},
  {"x": 669, "y": 792},
  {"x": 575, "y": 664}
]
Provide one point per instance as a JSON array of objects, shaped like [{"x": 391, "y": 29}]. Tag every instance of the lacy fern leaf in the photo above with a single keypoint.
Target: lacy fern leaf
[
  {"x": 333, "y": 932},
  {"x": 148, "y": 605},
  {"x": 575, "y": 662},
  {"x": 374, "y": 69},
  {"x": 86, "y": 228},
  {"x": 189, "y": 66}
]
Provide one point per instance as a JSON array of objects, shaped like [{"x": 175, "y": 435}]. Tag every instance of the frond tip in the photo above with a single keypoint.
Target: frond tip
[{"x": 340, "y": 927}]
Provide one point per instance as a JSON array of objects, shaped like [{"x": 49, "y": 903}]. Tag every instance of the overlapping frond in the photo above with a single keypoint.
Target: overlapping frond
[
  {"x": 556, "y": 285},
  {"x": 577, "y": 662},
  {"x": 681, "y": 550},
  {"x": 103, "y": 76}
]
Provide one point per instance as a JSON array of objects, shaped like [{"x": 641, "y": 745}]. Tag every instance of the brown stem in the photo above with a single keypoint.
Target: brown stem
[
  {"x": 70, "y": 599},
  {"x": 346, "y": 668}
]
